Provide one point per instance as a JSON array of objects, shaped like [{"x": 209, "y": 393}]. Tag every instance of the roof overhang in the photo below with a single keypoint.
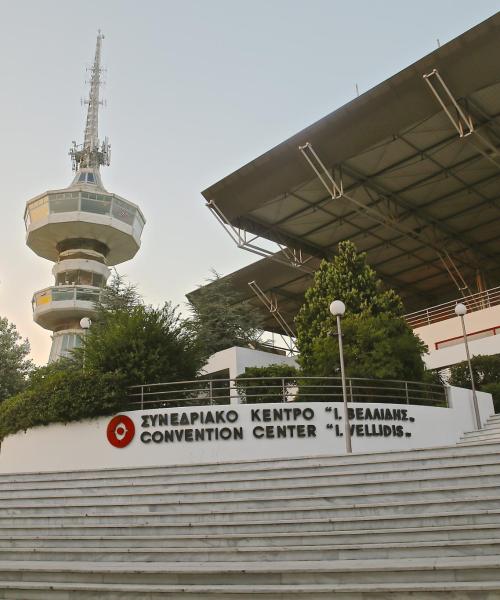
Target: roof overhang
[{"x": 421, "y": 200}]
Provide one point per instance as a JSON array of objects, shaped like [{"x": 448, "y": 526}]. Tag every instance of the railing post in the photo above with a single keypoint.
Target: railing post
[
  {"x": 142, "y": 397},
  {"x": 211, "y": 391},
  {"x": 350, "y": 390},
  {"x": 234, "y": 397},
  {"x": 283, "y": 389},
  {"x": 406, "y": 391}
]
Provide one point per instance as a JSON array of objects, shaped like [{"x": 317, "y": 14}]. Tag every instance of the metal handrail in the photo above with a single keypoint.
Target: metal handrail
[
  {"x": 446, "y": 310},
  {"x": 256, "y": 390}
]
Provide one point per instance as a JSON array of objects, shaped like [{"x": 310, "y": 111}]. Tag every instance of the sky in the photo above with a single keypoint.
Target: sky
[{"x": 194, "y": 90}]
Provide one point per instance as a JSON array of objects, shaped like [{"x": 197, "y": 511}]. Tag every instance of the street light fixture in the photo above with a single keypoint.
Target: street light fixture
[
  {"x": 460, "y": 311},
  {"x": 337, "y": 308},
  {"x": 85, "y": 324}
]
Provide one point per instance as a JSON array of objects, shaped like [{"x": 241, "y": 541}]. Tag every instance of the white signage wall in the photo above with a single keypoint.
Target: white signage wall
[{"x": 209, "y": 434}]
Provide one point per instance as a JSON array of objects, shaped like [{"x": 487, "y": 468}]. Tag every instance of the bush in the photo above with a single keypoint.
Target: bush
[
  {"x": 494, "y": 390},
  {"x": 141, "y": 343},
  {"x": 61, "y": 397},
  {"x": 486, "y": 370},
  {"x": 259, "y": 390},
  {"x": 375, "y": 347}
]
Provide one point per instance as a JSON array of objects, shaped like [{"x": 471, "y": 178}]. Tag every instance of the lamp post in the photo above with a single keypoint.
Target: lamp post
[
  {"x": 460, "y": 311},
  {"x": 85, "y": 324},
  {"x": 337, "y": 308}
]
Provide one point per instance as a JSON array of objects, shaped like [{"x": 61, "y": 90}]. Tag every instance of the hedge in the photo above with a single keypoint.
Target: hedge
[
  {"x": 63, "y": 397},
  {"x": 257, "y": 390}
]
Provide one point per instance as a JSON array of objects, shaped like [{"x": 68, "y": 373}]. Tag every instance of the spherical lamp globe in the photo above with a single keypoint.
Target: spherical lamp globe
[
  {"x": 460, "y": 309},
  {"x": 337, "y": 308},
  {"x": 85, "y": 323}
]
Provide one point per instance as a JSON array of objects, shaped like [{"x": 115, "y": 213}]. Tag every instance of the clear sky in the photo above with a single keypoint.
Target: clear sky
[{"x": 195, "y": 89}]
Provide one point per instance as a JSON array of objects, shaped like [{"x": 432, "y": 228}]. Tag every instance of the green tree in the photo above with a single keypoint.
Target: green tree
[
  {"x": 273, "y": 383},
  {"x": 117, "y": 295},
  {"x": 486, "y": 372},
  {"x": 377, "y": 341},
  {"x": 142, "y": 343},
  {"x": 221, "y": 318},
  {"x": 15, "y": 367}
]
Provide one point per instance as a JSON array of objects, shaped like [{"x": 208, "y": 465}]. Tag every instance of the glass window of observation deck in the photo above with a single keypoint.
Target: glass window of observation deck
[
  {"x": 39, "y": 209},
  {"x": 80, "y": 278},
  {"x": 62, "y": 294},
  {"x": 96, "y": 203},
  {"x": 138, "y": 225},
  {"x": 64, "y": 202},
  {"x": 87, "y": 295},
  {"x": 123, "y": 211},
  {"x": 86, "y": 178}
]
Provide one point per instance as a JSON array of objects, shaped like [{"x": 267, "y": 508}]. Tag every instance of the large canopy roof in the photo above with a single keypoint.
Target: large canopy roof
[{"x": 416, "y": 168}]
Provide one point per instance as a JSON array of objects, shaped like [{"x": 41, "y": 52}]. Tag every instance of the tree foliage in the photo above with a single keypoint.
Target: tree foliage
[
  {"x": 61, "y": 395},
  {"x": 486, "y": 372},
  {"x": 221, "y": 318},
  {"x": 15, "y": 366},
  {"x": 118, "y": 295},
  {"x": 377, "y": 341},
  {"x": 266, "y": 384},
  {"x": 143, "y": 344}
]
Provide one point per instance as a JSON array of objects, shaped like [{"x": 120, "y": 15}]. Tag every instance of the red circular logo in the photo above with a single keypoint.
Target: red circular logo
[{"x": 120, "y": 432}]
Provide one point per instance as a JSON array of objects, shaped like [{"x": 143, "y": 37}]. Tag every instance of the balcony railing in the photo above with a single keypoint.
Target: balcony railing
[
  {"x": 256, "y": 390},
  {"x": 65, "y": 293},
  {"x": 444, "y": 311}
]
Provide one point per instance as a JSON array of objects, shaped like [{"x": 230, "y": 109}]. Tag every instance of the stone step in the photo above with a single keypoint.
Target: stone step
[
  {"x": 308, "y": 538},
  {"x": 177, "y": 504},
  {"x": 491, "y": 427},
  {"x": 444, "y": 568},
  {"x": 472, "y": 547},
  {"x": 272, "y": 524},
  {"x": 492, "y": 423},
  {"x": 488, "y": 428},
  {"x": 493, "y": 434},
  {"x": 183, "y": 512},
  {"x": 483, "y": 465},
  {"x": 456, "y": 472},
  {"x": 419, "y": 591},
  {"x": 473, "y": 441},
  {"x": 483, "y": 442},
  {"x": 159, "y": 495},
  {"x": 405, "y": 459}
]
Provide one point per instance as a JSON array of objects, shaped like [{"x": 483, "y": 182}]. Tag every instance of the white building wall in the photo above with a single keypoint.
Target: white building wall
[
  {"x": 237, "y": 359},
  {"x": 451, "y": 328},
  {"x": 85, "y": 445}
]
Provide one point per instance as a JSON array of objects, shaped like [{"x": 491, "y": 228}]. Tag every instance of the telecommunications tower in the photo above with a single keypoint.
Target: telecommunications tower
[{"x": 83, "y": 229}]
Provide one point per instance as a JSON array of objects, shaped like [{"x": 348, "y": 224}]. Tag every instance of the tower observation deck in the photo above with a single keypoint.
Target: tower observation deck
[{"x": 83, "y": 229}]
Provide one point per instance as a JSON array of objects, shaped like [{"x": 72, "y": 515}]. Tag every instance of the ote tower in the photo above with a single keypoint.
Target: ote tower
[{"x": 83, "y": 229}]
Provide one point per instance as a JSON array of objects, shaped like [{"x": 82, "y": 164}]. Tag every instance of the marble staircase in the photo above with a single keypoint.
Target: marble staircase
[{"x": 422, "y": 524}]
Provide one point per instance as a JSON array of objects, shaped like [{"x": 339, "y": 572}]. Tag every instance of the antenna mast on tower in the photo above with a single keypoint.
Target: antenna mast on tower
[{"x": 90, "y": 154}]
